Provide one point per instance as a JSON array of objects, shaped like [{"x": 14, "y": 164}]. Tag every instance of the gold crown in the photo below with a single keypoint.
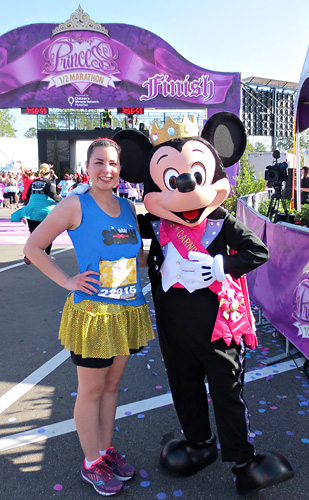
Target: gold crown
[
  {"x": 172, "y": 130},
  {"x": 80, "y": 21}
]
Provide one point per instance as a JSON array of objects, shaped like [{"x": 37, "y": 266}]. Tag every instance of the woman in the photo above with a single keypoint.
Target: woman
[
  {"x": 123, "y": 188},
  {"x": 27, "y": 177},
  {"x": 42, "y": 198},
  {"x": 106, "y": 317},
  {"x": 65, "y": 185},
  {"x": 11, "y": 191}
]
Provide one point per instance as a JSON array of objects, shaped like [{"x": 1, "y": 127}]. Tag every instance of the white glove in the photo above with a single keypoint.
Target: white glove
[{"x": 201, "y": 270}]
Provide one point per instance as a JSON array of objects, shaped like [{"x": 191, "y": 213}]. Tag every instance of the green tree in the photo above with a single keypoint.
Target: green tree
[
  {"x": 246, "y": 181},
  {"x": 31, "y": 132},
  {"x": 7, "y": 122},
  {"x": 70, "y": 119},
  {"x": 286, "y": 144}
]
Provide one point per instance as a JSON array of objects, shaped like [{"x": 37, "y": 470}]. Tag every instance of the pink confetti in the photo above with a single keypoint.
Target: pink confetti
[{"x": 58, "y": 487}]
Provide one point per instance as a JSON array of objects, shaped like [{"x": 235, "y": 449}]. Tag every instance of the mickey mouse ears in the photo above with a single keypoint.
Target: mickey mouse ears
[{"x": 226, "y": 132}]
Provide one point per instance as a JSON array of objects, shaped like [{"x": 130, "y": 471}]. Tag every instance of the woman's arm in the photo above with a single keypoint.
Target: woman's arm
[
  {"x": 50, "y": 190},
  {"x": 66, "y": 215},
  {"x": 143, "y": 255}
]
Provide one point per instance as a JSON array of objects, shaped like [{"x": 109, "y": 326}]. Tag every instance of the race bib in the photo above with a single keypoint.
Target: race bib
[{"x": 118, "y": 279}]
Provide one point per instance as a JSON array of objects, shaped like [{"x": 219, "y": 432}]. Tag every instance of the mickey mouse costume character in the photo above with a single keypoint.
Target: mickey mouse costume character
[{"x": 198, "y": 256}]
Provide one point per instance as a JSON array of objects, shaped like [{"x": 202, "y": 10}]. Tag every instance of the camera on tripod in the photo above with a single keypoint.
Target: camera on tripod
[{"x": 276, "y": 173}]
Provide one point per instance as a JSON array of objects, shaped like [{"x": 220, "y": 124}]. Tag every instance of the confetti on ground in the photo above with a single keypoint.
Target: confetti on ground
[
  {"x": 145, "y": 484},
  {"x": 177, "y": 493},
  {"x": 161, "y": 496},
  {"x": 143, "y": 473},
  {"x": 140, "y": 415},
  {"x": 58, "y": 487}
]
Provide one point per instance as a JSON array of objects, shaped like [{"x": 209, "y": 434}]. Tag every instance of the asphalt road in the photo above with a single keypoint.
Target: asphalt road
[{"x": 40, "y": 456}]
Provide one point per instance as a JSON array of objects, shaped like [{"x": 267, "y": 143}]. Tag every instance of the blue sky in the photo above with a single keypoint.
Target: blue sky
[{"x": 268, "y": 38}]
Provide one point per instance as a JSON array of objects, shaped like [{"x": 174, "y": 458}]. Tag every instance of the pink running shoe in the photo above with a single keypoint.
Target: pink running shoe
[
  {"x": 102, "y": 478},
  {"x": 118, "y": 464}
]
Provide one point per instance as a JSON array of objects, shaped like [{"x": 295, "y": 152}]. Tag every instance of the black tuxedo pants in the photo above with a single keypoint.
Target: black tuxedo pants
[{"x": 185, "y": 322}]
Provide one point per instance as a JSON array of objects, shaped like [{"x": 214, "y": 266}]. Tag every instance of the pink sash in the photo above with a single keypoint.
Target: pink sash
[{"x": 234, "y": 319}]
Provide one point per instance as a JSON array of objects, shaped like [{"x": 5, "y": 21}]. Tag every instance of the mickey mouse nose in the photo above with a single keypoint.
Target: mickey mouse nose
[{"x": 186, "y": 183}]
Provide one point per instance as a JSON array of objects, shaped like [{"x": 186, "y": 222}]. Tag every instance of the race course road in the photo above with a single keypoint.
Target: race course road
[{"x": 40, "y": 456}]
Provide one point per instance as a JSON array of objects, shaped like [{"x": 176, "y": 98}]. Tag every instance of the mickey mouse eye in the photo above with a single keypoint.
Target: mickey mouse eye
[
  {"x": 170, "y": 178},
  {"x": 199, "y": 173}
]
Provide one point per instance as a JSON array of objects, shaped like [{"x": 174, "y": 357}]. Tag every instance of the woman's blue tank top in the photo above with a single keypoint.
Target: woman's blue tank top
[{"x": 110, "y": 246}]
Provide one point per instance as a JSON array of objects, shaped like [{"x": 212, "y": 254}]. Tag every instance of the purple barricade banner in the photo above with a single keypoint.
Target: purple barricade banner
[
  {"x": 281, "y": 286},
  {"x": 83, "y": 64}
]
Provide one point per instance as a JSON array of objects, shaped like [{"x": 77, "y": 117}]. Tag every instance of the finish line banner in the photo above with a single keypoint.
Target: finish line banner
[{"x": 83, "y": 64}]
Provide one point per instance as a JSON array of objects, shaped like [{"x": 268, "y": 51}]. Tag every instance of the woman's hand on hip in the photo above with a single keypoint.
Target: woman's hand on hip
[{"x": 82, "y": 282}]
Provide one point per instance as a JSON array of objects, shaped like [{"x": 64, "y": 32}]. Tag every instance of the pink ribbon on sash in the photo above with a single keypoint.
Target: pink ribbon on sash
[{"x": 234, "y": 319}]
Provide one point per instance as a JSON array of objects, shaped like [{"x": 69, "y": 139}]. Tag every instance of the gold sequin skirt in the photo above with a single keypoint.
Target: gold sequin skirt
[{"x": 100, "y": 330}]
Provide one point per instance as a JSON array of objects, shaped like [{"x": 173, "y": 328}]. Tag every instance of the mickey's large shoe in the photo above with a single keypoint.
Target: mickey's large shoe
[
  {"x": 186, "y": 458},
  {"x": 262, "y": 471}
]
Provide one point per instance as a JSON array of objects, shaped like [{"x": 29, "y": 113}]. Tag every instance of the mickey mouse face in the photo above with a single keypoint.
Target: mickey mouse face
[{"x": 185, "y": 178}]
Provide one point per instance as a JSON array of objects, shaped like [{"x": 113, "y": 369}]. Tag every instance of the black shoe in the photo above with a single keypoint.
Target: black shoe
[
  {"x": 186, "y": 458},
  {"x": 262, "y": 471}
]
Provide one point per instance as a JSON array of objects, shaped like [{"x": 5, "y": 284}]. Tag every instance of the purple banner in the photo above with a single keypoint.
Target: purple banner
[
  {"x": 82, "y": 64},
  {"x": 281, "y": 286}
]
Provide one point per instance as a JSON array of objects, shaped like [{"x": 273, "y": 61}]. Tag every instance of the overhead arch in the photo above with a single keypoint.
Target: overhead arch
[{"x": 82, "y": 64}]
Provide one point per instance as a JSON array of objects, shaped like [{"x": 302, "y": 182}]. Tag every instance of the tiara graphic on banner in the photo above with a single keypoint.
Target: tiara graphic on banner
[
  {"x": 173, "y": 130},
  {"x": 80, "y": 21}
]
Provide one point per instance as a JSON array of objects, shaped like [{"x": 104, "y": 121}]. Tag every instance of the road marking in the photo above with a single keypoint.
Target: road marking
[
  {"x": 60, "y": 428},
  {"x": 34, "y": 378},
  {"x": 7, "y": 268},
  {"x": 19, "y": 390}
]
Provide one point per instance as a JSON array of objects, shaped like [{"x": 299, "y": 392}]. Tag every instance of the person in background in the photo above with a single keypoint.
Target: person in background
[
  {"x": 85, "y": 178},
  {"x": 77, "y": 181},
  {"x": 11, "y": 191},
  {"x": 65, "y": 185},
  {"x": 123, "y": 188},
  {"x": 42, "y": 198},
  {"x": 2, "y": 186},
  {"x": 105, "y": 318},
  {"x": 134, "y": 192},
  {"x": 53, "y": 176},
  {"x": 304, "y": 185},
  {"x": 27, "y": 178},
  {"x": 106, "y": 118}
]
